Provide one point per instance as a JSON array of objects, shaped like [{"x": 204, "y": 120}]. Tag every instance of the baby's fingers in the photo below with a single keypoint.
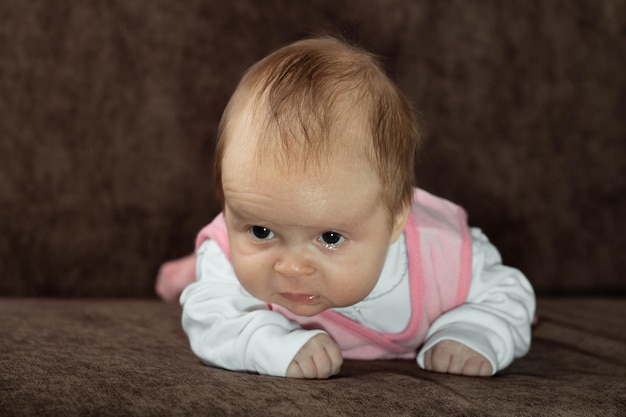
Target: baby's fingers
[
  {"x": 477, "y": 366},
  {"x": 311, "y": 368},
  {"x": 335, "y": 357},
  {"x": 439, "y": 360},
  {"x": 319, "y": 358},
  {"x": 324, "y": 363},
  {"x": 317, "y": 366},
  {"x": 455, "y": 358}
]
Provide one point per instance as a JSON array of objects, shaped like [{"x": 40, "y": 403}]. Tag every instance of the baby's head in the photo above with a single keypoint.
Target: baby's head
[
  {"x": 315, "y": 168},
  {"x": 321, "y": 101}
]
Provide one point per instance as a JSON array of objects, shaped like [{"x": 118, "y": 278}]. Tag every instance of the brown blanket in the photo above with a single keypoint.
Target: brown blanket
[{"x": 87, "y": 357}]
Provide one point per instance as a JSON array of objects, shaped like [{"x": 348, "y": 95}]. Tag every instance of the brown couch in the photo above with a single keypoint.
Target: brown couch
[{"x": 108, "y": 113}]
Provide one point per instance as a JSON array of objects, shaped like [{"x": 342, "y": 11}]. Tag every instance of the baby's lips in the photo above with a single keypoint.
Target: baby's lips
[{"x": 301, "y": 298}]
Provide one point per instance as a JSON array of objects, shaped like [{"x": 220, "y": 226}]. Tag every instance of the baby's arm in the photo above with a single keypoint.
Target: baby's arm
[
  {"x": 230, "y": 329},
  {"x": 494, "y": 325}
]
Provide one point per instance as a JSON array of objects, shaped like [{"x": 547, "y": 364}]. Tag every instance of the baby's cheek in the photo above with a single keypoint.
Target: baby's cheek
[
  {"x": 354, "y": 289},
  {"x": 253, "y": 277}
]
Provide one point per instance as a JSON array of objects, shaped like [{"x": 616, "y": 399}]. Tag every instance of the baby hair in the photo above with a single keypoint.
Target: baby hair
[{"x": 321, "y": 95}]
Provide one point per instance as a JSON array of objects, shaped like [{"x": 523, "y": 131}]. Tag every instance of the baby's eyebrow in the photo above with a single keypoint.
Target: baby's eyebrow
[
  {"x": 242, "y": 215},
  {"x": 236, "y": 212}
]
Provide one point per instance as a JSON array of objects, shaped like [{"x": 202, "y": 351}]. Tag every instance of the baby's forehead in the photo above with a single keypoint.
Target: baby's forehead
[
  {"x": 254, "y": 133},
  {"x": 250, "y": 142}
]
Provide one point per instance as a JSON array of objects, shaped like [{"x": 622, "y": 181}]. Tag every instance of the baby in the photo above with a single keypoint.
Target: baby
[{"x": 324, "y": 249}]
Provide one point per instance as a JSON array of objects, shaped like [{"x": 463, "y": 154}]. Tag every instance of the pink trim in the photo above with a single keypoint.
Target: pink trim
[
  {"x": 216, "y": 230},
  {"x": 416, "y": 281},
  {"x": 465, "y": 279},
  {"x": 378, "y": 339}
]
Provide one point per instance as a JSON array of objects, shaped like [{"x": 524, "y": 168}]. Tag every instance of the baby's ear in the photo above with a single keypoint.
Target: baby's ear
[{"x": 399, "y": 222}]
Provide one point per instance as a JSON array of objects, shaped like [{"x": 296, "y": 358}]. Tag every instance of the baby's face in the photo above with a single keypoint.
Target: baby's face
[{"x": 305, "y": 241}]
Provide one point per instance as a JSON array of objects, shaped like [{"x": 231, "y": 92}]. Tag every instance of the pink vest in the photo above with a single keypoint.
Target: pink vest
[{"x": 440, "y": 269}]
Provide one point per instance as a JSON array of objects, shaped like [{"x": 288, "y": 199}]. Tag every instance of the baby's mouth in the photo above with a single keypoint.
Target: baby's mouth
[{"x": 301, "y": 298}]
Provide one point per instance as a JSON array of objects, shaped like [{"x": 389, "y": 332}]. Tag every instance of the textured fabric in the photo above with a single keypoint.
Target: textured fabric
[
  {"x": 109, "y": 111},
  {"x": 90, "y": 357}
]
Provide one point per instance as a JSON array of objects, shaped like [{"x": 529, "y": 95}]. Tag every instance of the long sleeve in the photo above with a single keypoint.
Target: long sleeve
[
  {"x": 228, "y": 328},
  {"x": 496, "y": 319}
]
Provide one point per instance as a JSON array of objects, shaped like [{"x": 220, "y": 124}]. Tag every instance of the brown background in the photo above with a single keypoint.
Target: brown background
[{"x": 108, "y": 112}]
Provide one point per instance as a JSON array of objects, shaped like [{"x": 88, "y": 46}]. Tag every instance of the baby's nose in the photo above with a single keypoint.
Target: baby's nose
[{"x": 294, "y": 265}]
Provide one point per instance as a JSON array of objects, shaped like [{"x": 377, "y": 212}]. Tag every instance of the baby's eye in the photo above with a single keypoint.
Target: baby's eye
[
  {"x": 331, "y": 239},
  {"x": 261, "y": 233}
]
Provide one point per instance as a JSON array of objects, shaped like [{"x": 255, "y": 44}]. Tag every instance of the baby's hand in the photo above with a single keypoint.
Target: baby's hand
[
  {"x": 319, "y": 358},
  {"x": 453, "y": 357}
]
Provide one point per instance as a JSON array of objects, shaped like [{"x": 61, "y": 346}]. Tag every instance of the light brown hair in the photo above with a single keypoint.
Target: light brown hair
[{"x": 307, "y": 93}]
